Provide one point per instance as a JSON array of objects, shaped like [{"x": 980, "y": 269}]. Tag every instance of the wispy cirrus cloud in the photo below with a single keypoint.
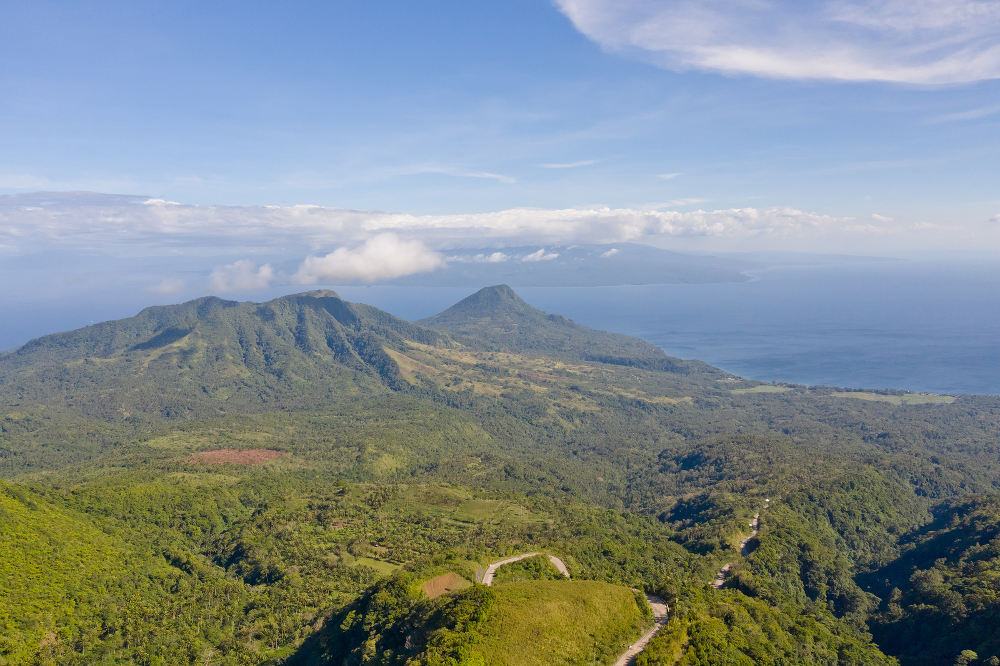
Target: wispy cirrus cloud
[
  {"x": 969, "y": 114},
  {"x": 568, "y": 165},
  {"x": 457, "y": 172},
  {"x": 924, "y": 42}
]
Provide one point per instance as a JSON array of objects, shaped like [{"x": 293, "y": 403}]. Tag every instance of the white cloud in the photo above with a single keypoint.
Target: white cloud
[
  {"x": 114, "y": 228},
  {"x": 480, "y": 258},
  {"x": 926, "y": 42},
  {"x": 492, "y": 258},
  {"x": 970, "y": 114},
  {"x": 568, "y": 165},
  {"x": 111, "y": 225},
  {"x": 610, "y": 253},
  {"x": 242, "y": 275},
  {"x": 167, "y": 287},
  {"x": 540, "y": 255},
  {"x": 669, "y": 176},
  {"x": 457, "y": 172},
  {"x": 881, "y": 218},
  {"x": 995, "y": 219},
  {"x": 381, "y": 257}
]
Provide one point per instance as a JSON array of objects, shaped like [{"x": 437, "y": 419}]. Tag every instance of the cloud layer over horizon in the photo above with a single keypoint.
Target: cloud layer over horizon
[
  {"x": 168, "y": 248},
  {"x": 99, "y": 223}
]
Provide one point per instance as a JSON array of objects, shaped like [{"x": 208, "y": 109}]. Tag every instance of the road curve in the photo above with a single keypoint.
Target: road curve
[
  {"x": 660, "y": 611},
  {"x": 658, "y": 605},
  {"x": 720, "y": 577},
  {"x": 491, "y": 570}
]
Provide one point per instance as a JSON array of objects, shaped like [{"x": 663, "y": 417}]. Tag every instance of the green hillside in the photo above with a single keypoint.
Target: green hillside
[
  {"x": 561, "y": 622},
  {"x": 499, "y": 319},
  {"x": 234, "y": 483},
  {"x": 54, "y": 564},
  {"x": 210, "y": 355}
]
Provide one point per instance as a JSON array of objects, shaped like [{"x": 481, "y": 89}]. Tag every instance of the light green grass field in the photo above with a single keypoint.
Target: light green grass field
[
  {"x": 561, "y": 622},
  {"x": 761, "y": 388},
  {"x": 903, "y": 399}
]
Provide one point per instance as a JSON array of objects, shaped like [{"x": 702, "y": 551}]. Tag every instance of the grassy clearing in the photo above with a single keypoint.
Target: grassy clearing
[
  {"x": 444, "y": 584},
  {"x": 761, "y": 388},
  {"x": 385, "y": 568},
  {"x": 898, "y": 399},
  {"x": 409, "y": 367},
  {"x": 560, "y": 622}
]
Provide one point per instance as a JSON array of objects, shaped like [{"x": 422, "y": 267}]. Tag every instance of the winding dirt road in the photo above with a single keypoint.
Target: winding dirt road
[
  {"x": 660, "y": 611},
  {"x": 491, "y": 570},
  {"x": 658, "y": 605},
  {"x": 720, "y": 578}
]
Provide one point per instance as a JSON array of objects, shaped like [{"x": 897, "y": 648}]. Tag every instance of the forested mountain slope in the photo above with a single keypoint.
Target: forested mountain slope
[
  {"x": 211, "y": 354},
  {"x": 311, "y": 480},
  {"x": 499, "y": 319}
]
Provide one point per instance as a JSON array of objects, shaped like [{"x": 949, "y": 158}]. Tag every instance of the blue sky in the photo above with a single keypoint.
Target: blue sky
[
  {"x": 713, "y": 125},
  {"x": 451, "y": 107}
]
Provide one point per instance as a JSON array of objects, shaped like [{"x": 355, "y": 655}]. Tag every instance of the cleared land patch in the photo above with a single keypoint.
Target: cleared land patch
[
  {"x": 409, "y": 367},
  {"x": 237, "y": 456},
  {"x": 561, "y": 622},
  {"x": 898, "y": 399},
  {"x": 762, "y": 388},
  {"x": 444, "y": 584}
]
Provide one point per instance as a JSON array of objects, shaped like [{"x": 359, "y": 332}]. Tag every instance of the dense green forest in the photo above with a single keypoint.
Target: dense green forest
[{"x": 314, "y": 481}]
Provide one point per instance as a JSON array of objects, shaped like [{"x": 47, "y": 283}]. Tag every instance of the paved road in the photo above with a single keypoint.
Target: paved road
[
  {"x": 660, "y": 611},
  {"x": 491, "y": 570},
  {"x": 720, "y": 577}
]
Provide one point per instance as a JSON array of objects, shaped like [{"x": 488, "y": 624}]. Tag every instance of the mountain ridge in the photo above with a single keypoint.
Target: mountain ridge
[{"x": 499, "y": 317}]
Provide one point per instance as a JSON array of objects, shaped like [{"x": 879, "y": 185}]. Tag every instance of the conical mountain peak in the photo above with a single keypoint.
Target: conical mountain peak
[
  {"x": 497, "y": 318},
  {"x": 491, "y": 301}
]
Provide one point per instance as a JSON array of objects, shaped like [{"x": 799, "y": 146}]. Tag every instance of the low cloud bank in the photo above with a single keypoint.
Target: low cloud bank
[
  {"x": 107, "y": 223},
  {"x": 246, "y": 248}
]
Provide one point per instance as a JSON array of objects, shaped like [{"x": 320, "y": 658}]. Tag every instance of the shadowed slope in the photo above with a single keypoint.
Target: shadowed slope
[{"x": 210, "y": 355}]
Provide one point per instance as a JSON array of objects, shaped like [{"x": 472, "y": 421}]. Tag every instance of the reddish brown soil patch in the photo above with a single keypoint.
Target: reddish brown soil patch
[
  {"x": 237, "y": 456},
  {"x": 443, "y": 584}
]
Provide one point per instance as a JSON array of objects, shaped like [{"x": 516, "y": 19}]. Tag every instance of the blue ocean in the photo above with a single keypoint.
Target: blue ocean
[{"x": 904, "y": 325}]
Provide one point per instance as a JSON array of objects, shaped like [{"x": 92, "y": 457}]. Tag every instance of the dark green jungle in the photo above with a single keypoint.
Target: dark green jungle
[{"x": 312, "y": 481}]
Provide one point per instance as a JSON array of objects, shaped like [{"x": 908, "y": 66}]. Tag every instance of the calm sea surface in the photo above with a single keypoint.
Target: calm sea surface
[{"x": 917, "y": 327}]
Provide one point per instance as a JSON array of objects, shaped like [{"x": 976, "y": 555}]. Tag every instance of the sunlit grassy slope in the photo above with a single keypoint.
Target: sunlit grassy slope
[{"x": 561, "y": 622}]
